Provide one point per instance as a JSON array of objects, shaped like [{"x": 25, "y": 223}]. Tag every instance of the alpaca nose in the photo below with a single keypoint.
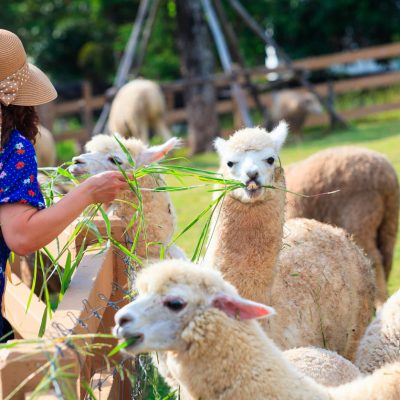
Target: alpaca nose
[
  {"x": 77, "y": 160},
  {"x": 252, "y": 175},
  {"x": 124, "y": 319}
]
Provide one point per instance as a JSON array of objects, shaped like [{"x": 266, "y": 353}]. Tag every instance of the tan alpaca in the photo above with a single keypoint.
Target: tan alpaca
[
  {"x": 215, "y": 349},
  {"x": 139, "y": 107},
  {"x": 315, "y": 276},
  {"x": 45, "y": 148},
  {"x": 366, "y": 206}
]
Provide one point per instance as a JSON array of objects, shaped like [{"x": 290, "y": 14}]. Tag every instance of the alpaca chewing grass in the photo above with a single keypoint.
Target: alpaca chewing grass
[
  {"x": 313, "y": 274},
  {"x": 213, "y": 346}
]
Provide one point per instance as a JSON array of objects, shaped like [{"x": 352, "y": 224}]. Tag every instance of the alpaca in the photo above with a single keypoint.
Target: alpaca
[
  {"x": 138, "y": 107},
  {"x": 214, "y": 347},
  {"x": 315, "y": 276},
  {"x": 45, "y": 148},
  {"x": 381, "y": 342},
  {"x": 326, "y": 367},
  {"x": 367, "y": 205},
  {"x": 294, "y": 107},
  {"x": 104, "y": 154}
]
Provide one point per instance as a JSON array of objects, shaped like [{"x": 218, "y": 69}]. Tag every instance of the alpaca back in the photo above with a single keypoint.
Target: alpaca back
[{"x": 323, "y": 289}]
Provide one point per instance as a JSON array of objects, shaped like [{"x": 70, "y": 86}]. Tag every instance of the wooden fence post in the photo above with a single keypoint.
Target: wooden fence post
[{"x": 87, "y": 111}]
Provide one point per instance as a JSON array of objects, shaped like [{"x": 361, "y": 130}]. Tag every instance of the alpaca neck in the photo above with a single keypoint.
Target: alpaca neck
[
  {"x": 229, "y": 359},
  {"x": 246, "y": 241}
]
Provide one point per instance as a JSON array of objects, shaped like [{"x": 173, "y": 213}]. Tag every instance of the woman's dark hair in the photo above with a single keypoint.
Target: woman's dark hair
[{"x": 23, "y": 118}]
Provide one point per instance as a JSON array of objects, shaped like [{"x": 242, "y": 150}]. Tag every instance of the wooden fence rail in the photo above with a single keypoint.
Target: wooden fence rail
[
  {"x": 88, "y": 104},
  {"x": 88, "y": 306}
]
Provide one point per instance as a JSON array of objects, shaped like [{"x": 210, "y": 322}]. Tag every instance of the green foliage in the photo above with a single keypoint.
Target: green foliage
[{"x": 72, "y": 39}]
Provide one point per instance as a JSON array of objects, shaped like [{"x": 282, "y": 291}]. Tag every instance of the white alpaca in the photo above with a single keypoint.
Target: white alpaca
[
  {"x": 137, "y": 108},
  {"x": 105, "y": 154},
  {"x": 214, "y": 348},
  {"x": 315, "y": 276},
  {"x": 381, "y": 342}
]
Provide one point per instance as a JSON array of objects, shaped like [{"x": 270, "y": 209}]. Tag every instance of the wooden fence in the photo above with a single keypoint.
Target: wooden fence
[
  {"x": 88, "y": 104},
  {"x": 98, "y": 288}
]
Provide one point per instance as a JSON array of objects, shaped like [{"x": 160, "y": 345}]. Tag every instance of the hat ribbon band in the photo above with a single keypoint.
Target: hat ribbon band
[{"x": 9, "y": 86}]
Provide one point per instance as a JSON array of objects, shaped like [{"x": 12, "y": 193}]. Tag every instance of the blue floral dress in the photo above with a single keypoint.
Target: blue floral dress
[{"x": 18, "y": 184}]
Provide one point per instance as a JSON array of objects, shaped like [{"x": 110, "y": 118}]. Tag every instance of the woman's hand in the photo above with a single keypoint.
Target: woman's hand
[
  {"x": 27, "y": 229},
  {"x": 103, "y": 187}
]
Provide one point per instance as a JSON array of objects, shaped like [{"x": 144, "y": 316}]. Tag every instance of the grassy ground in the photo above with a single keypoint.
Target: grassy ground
[{"x": 380, "y": 133}]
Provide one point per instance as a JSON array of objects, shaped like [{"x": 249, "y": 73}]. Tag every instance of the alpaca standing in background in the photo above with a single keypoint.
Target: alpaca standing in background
[
  {"x": 138, "y": 108},
  {"x": 45, "y": 148},
  {"x": 315, "y": 276},
  {"x": 294, "y": 108},
  {"x": 366, "y": 205}
]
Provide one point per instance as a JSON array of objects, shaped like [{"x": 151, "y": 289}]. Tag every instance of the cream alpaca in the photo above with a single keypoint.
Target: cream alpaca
[
  {"x": 381, "y": 342},
  {"x": 45, "y": 148},
  {"x": 104, "y": 153},
  {"x": 317, "y": 279},
  {"x": 215, "y": 349},
  {"x": 367, "y": 205},
  {"x": 139, "y": 107}
]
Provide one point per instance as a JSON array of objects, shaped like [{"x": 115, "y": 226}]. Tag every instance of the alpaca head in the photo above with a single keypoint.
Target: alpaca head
[
  {"x": 250, "y": 156},
  {"x": 171, "y": 294},
  {"x": 311, "y": 104},
  {"x": 105, "y": 154}
]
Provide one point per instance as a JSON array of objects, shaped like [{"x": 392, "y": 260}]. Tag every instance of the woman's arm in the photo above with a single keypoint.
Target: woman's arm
[{"x": 27, "y": 229}]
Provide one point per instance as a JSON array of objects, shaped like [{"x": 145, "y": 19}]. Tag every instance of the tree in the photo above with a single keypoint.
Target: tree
[{"x": 197, "y": 61}]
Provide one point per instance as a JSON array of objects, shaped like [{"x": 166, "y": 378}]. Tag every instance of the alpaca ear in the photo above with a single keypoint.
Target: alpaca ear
[
  {"x": 156, "y": 153},
  {"x": 241, "y": 309},
  {"x": 279, "y": 135},
  {"x": 219, "y": 145}
]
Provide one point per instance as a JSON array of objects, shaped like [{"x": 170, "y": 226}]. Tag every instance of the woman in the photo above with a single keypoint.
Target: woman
[{"x": 25, "y": 224}]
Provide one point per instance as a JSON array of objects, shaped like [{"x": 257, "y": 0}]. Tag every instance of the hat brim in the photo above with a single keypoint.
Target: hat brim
[{"x": 36, "y": 90}]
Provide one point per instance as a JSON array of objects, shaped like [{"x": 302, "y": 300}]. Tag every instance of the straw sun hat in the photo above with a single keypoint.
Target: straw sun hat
[{"x": 21, "y": 83}]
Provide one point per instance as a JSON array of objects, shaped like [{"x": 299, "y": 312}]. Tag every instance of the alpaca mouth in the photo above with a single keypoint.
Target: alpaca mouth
[
  {"x": 133, "y": 340},
  {"x": 76, "y": 171},
  {"x": 253, "y": 188}
]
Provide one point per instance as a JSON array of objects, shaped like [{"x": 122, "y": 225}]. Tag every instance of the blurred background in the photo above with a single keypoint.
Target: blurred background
[{"x": 331, "y": 68}]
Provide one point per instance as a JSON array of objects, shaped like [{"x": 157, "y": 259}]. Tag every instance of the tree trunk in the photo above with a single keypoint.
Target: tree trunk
[{"x": 197, "y": 61}]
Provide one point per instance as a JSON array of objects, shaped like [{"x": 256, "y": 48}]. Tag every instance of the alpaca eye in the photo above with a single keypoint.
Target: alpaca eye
[
  {"x": 230, "y": 164},
  {"x": 175, "y": 304},
  {"x": 115, "y": 160},
  {"x": 270, "y": 160}
]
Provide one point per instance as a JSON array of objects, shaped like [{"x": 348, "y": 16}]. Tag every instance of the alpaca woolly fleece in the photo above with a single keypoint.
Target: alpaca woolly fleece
[
  {"x": 313, "y": 274},
  {"x": 366, "y": 206},
  {"x": 108, "y": 144},
  {"x": 138, "y": 108},
  {"x": 45, "y": 148},
  {"x": 380, "y": 344},
  {"x": 326, "y": 367},
  {"x": 215, "y": 349},
  {"x": 254, "y": 139}
]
